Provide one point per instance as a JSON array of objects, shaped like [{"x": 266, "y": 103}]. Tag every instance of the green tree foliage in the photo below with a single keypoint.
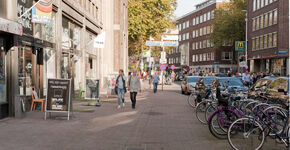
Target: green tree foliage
[
  {"x": 229, "y": 23},
  {"x": 148, "y": 18}
]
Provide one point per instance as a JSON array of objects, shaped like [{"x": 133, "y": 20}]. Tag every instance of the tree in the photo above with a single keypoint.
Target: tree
[
  {"x": 229, "y": 23},
  {"x": 148, "y": 18}
]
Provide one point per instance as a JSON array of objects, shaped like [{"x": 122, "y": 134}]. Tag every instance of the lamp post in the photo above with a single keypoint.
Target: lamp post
[{"x": 246, "y": 43}]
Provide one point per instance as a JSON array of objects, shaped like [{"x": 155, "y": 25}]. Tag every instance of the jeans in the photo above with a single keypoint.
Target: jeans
[
  {"x": 133, "y": 98},
  {"x": 120, "y": 95},
  {"x": 155, "y": 87}
]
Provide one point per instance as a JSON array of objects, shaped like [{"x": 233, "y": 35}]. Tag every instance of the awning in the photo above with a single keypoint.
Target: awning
[{"x": 10, "y": 26}]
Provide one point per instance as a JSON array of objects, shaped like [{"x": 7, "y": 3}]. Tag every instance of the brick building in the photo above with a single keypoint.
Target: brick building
[
  {"x": 268, "y": 36},
  {"x": 195, "y": 49}
]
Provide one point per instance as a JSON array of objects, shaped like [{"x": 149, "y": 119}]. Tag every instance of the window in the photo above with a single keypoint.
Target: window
[
  {"x": 270, "y": 18},
  {"x": 200, "y": 57},
  {"x": 193, "y": 58},
  {"x": 212, "y": 56},
  {"x": 254, "y": 24},
  {"x": 266, "y": 20},
  {"x": 201, "y": 18},
  {"x": 258, "y": 4},
  {"x": 208, "y": 16},
  {"x": 193, "y": 46},
  {"x": 212, "y": 14},
  {"x": 200, "y": 32},
  {"x": 257, "y": 43},
  {"x": 200, "y": 45},
  {"x": 179, "y": 37},
  {"x": 187, "y": 36},
  {"x": 196, "y": 58},
  {"x": 266, "y": 2},
  {"x": 211, "y": 28},
  {"x": 204, "y": 17},
  {"x": 227, "y": 55},
  {"x": 183, "y": 25},
  {"x": 193, "y": 21},
  {"x": 204, "y": 44},
  {"x": 193, "y": 34},
  {"x": 262, "y": 22},
  {"x": 275, "y": 16},
  {"x": 197, "y": 20},
  {"x": 208, "y": 29},
  {"x": 196, "y": 45},
  {"x": 261, "y": 42},
  {"x": 204, "y": 56},
  {"x": 265, "y": 41},
  {"x": 204, "y": 30},
  {"x": 179, "y": 27},
  {"x": 262, "y": 3},
  {"x": 275, "y": 39},
  {"x": 183, "y": 36},
  {"x": 187, "y": 24},
  {"x": 196, "y": 33},
  {"x": 270, "y": 1},
  {"x": 258, "y": 23},
  {"x": 253, "y": 44},
  {"x": 208, "y": 43},
  {"x": 254, "y": 5},
  {"x": 208, "y": 57}
]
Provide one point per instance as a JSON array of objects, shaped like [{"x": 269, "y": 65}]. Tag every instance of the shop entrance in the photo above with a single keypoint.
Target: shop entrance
[{"x": 4, "y": 106}]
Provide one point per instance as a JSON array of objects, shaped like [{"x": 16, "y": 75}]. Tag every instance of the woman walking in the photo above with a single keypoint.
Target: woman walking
[
  {"x": 134, "y": 85},
  {"x": 121, "y": 88}
]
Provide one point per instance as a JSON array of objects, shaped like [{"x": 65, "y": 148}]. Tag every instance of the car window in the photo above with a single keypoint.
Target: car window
[
  {"x": 232, "y": 81},
  {"x": 261, "y": 83},
  {"x": 192, "y": 79},
  {"x": 280, "y": 83}
]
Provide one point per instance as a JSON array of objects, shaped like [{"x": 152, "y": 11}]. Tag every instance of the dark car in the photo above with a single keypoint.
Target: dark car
[
  {"x": 188, "y": 84},
  {"x": 231, "y": 84}
]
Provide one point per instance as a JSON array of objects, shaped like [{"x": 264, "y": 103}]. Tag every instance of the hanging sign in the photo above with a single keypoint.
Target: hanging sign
[
  {"x": 41, "y": 12},
  {"x": 99, "y": 41}
]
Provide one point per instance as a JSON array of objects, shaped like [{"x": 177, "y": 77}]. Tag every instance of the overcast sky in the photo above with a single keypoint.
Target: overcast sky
[{"x": 185, "y": 6}]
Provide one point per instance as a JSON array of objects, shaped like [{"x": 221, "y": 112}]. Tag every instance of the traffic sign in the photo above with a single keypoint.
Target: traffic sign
[
  {"x": 244, "y": 69},
  {"x": 240, "y": 45},
  {"x": 243, "y": 64},
  {"x": 163, "y": 67},
  {"x": 172, "y": 67}
]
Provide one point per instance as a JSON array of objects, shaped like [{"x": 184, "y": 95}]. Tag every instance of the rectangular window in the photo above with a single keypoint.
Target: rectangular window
[
  {"x": 187, "y": 24},
  {"x": 208, "y": 57},
  {"x": 212, "y": 56},
  {"x": 261, "y": 42},
  {"x": 212, "y": 14},
  {"x": 200, "y": 32},
  {"x": 275, "y": 39},
  {"x": 270, "y": 1},
  {"x": 265, "y": 41},
  {"x": 179, "y": 37},
  {"x": 266, "y": 2},
  {"x": 196, "y": 45},
  {"x": 196, "y": 58},
  {"x": 193, "y": 34},
  {"x": 227, "y": 55},
  {"x": 254, "y": 24},
  {"x": 270, "y": 18},
  {"x": 197, "y": 20},
  {"x": 262, "y": 3},
  {"x": 187, "y": 36},
  {"x": 196, "y": 33},
  {"x": 275, "y": 17},
  {"x": 211, "y": 44},
  {"x": 262, "y": 22},
  {"x": 201, "y": 18},
  {"x": 211, "y": 29},
  {"x": 258, "y": 4},
  {"x": 208, "y": 29},
  {"x": 258, "y": 23},
  {"x": 208, "y": 43},
  {"x": 266, "y": 20},
  {"x": 193, "y": 46},
  {"x": 253, "y": 44},
  {"x": 183, "y": 37},
  {"x": 254, "y": 5},
  {"x": 204, "y": 56},
  {"x": 204, "y": 31},
  {"x": 193, "y": 58},
  {"x": 193, "y": 21},
  {"x": 200, "y": 57},
  {"x": 204, "y": 44},
  {"x": 257, "y": 43},
  {"x": 208, "y": 16},
  {"x": 200, "y": 45},
  {"x": 204, "y": 17}
]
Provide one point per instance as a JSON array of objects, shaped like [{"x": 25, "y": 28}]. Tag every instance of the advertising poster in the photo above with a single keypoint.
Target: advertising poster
[
  {"x": 58, "y": 95},
  {"x": 92, "y": 89},
  {"x": 42, "y": 12}
]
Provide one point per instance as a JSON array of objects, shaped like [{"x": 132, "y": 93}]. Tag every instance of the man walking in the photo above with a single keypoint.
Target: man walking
[
  {"x": 247, "y": 79},
  {"x": 121, "y": 87},
  {"x": 155, "y": 81},
  {"x": 134, "y": 86}
]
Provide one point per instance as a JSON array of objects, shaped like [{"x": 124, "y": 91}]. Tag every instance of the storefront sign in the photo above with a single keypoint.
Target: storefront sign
[
  {"x": 240, "y": 46},
  {"x": 41, "y": 12},
  {"x": 92, "y": 89},
  {"x": 99, "y": 41},
  {"x": 10, "y": 26},
  {"x": 58, "y": 96},
  {"x": 25, "y": 21}
]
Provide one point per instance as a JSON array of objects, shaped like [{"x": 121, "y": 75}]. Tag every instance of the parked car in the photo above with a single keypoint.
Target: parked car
[
  {"x": 279, "y": 89},
  {"x": 208, "y": 80},
  {"x": 188, "y": 84},
  {"x": 232, "y": 83}
]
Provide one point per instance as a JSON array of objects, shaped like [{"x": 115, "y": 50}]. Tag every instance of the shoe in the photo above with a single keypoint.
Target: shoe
[
  {"x": 133, "y": 107},
  {"x": 123, "y": 104},
  {"x": 119, "y": 107}
]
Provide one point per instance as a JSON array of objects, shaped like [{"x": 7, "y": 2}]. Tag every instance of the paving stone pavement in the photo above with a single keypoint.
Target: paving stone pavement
[{"x": 161, "y": 121}]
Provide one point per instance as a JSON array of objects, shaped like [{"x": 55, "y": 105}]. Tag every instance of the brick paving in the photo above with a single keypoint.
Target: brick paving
[{"x": 161, "y": 121}]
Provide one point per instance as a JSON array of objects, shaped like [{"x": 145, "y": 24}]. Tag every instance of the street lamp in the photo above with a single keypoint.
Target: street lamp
[{"x": 246, "y": 45}]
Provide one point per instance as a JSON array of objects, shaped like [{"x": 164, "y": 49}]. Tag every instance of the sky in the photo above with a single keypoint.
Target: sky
[{"x": 185, "y": 6}]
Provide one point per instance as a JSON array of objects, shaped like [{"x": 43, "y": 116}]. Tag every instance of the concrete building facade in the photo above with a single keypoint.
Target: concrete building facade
[{"x": 268, "y": 36}]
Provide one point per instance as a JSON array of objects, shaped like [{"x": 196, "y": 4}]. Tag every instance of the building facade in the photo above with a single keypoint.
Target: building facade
[
  {"x": 62, "y": 49},
  {"x": 268, "y": 36},
  {"x": 196, "y": 50}
]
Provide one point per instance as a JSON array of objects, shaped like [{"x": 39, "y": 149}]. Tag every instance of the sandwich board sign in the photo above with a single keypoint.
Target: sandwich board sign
[{"x": 58, "y": 96}]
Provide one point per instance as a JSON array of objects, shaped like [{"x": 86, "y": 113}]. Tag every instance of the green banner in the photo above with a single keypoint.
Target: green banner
[{"x": 240, "y": 46}]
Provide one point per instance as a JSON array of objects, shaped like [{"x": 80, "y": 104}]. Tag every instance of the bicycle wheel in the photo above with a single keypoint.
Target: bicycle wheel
[
  {"x": 209, "y": 109},
  {"x": 246, "y": 134},
  {"x": 219, "y": 122},
  {"x": 192, "y": 100},
  {"x": 200, "y": 112}
]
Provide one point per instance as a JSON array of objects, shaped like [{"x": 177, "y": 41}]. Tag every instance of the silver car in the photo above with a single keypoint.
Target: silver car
[{"x": 188, "y": 84}]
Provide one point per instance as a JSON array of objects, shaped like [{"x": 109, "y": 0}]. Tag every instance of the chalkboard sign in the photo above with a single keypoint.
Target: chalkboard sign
[
  {"x": 92, "y": 89},
  {"x": 58, "y": 96}
]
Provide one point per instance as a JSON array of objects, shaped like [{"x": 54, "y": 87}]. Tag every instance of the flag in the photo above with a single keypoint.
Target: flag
[{"x": 42, "y": 12}]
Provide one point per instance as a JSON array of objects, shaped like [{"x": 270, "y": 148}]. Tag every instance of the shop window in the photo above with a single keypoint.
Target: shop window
[
  {"x": 65, "y": 66},
  {"x": 49, "y": 30},
  {"x": 3, "y": 98},
  {"x": 48, "y": 67},
  {"x": 91, "y": 63}
]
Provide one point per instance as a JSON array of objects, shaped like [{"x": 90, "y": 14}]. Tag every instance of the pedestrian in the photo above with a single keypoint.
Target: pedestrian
[
  {"x": 155, "y": 81},
  {"x": 200, "y": 73},
  {"x": 247, "y": 78},
  {"x": 134, "y": 85},
  {"x": 150, "y": 81},
  {"x": 121, "y": 87},
  {"x": 173, "y": 76}
]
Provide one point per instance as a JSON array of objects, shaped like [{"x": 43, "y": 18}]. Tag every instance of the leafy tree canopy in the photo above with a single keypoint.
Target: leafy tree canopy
[{"x": 229, "y": 23}]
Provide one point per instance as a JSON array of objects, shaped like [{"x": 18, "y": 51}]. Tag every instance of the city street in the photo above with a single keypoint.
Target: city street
[{"x": 161, "y": 121}]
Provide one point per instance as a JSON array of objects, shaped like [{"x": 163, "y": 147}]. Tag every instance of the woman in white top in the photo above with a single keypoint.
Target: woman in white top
[{"x": 134, "y": 85}]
